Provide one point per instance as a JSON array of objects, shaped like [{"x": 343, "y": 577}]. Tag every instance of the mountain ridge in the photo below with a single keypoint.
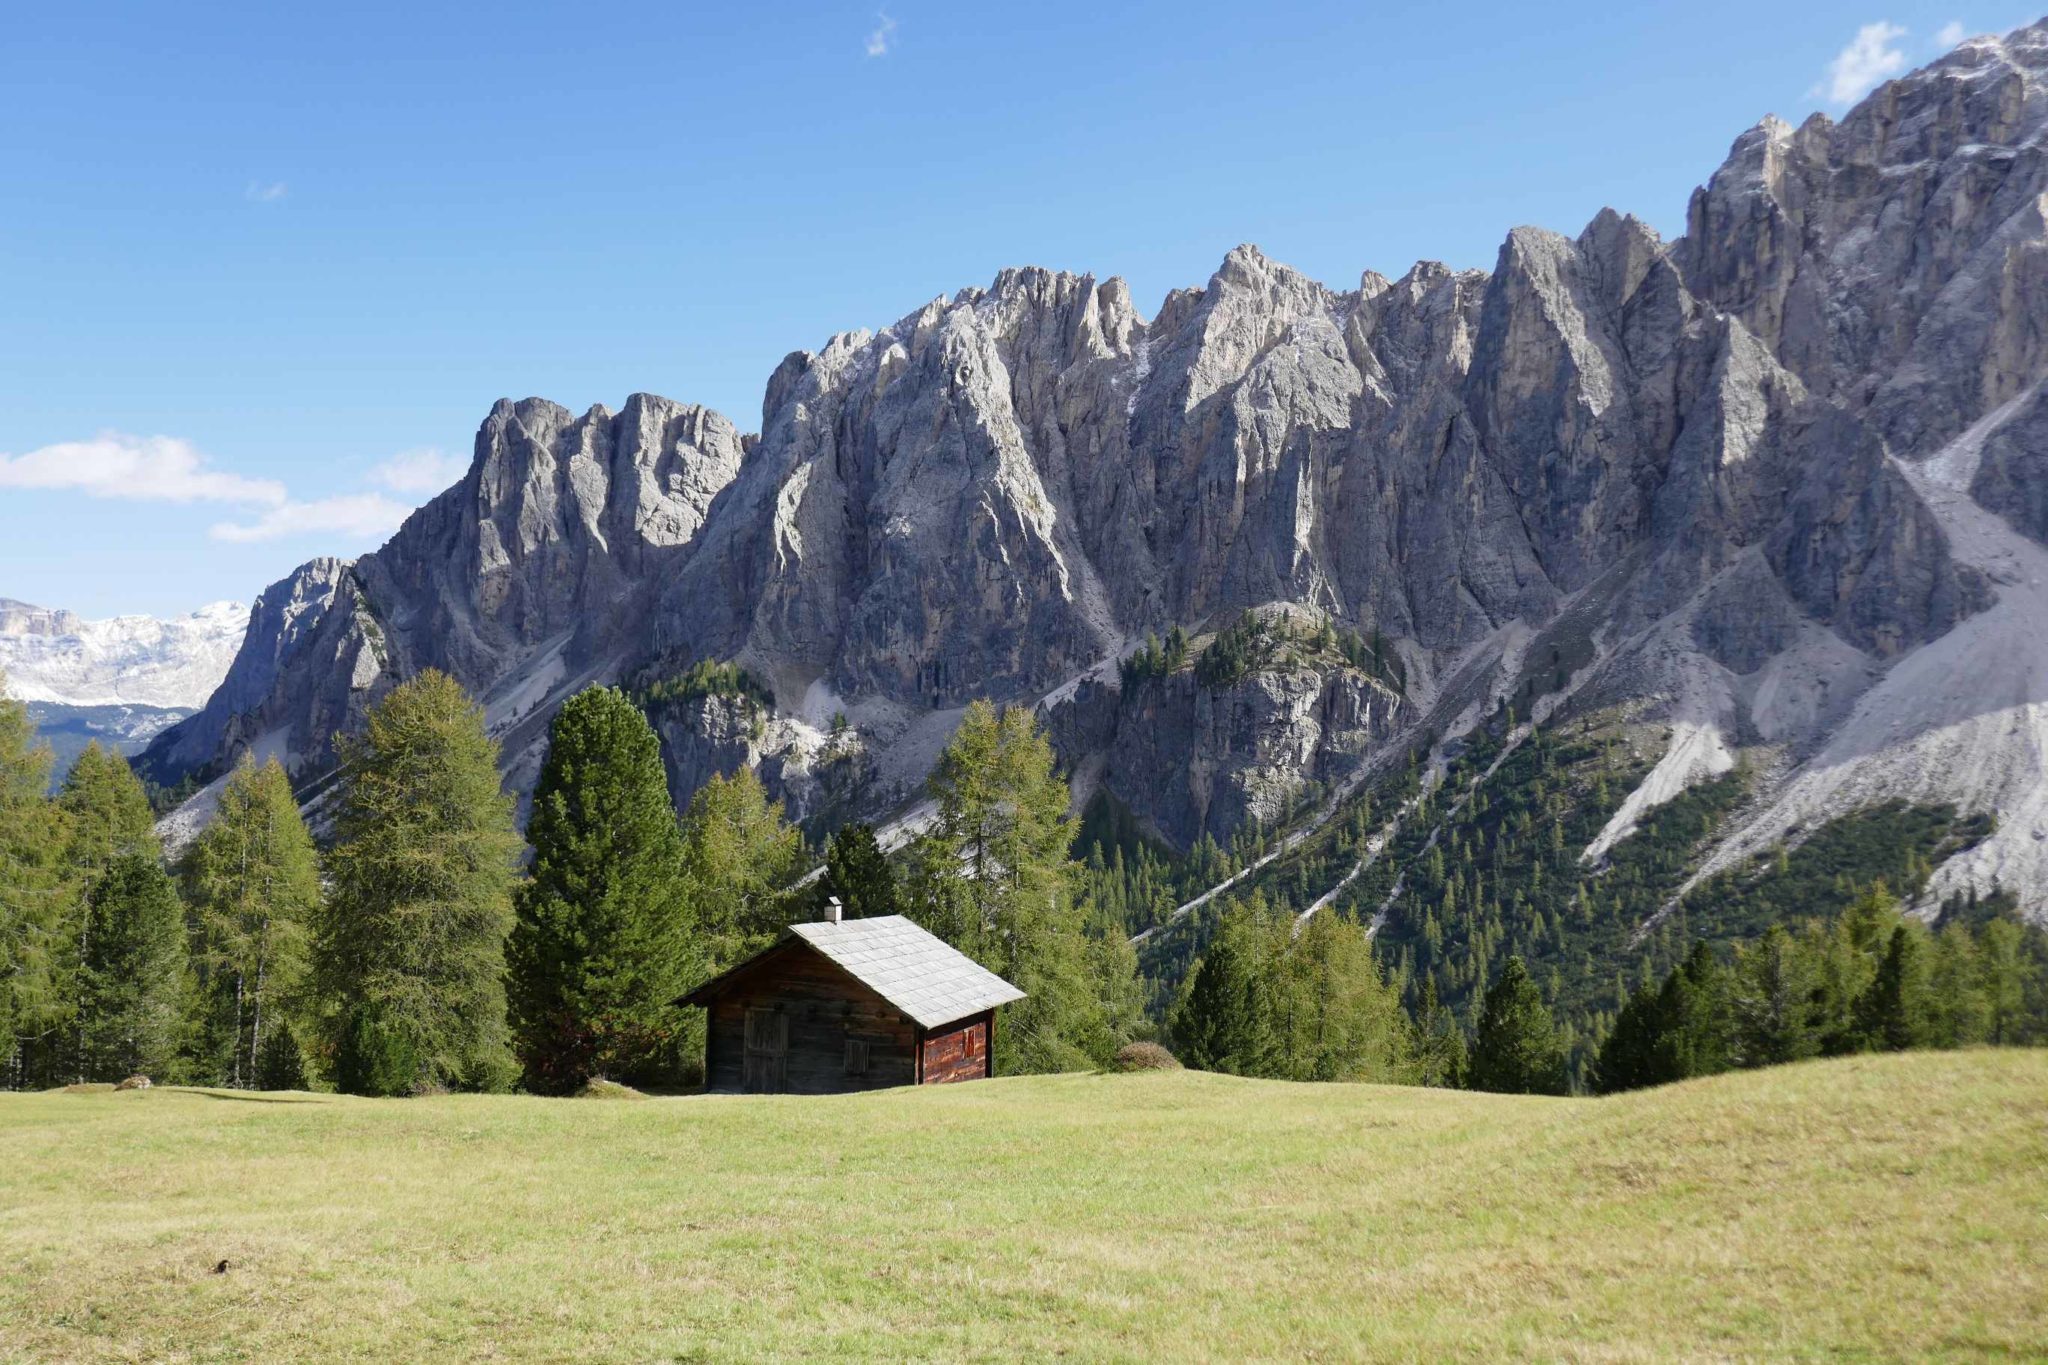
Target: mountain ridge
[{"x": 1717, "y": 439}]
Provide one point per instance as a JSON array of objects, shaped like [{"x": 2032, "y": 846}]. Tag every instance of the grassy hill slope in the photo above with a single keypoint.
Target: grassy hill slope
[{"x": 1877, "y": 1206}]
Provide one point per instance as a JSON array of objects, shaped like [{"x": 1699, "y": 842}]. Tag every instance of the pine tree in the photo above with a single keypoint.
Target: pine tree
[
  {"x": 602, "y": 944},
  {"x": 740, "y": 858},
  {"x": 858, "y": 872},
  {"x": 1517, "y": 1051},
  {"x": 411, "y": 947},
  {"x": 994, "y": 877},
  {"x": 253, "y": 880},
  {"x": 132, "y": 980},
  {"x": 34, "y": 943}
]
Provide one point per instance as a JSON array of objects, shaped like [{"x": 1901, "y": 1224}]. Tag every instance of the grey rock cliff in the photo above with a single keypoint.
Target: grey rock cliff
[{"x": 1695, "y": 463}]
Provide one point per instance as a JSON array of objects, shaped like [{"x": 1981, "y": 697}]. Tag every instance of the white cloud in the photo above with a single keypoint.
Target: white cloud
[
  {"x": 1871, "y": 56},
  {"x": 261, "y": 192},
  {"x": 884, "y": 36},
  {"x": 357, "y": 515},
  {"x": 424, "y": 471},
  {"x": 167, "y": 469},
  {"x": 137, "y": 469},
  {"x": 1950, "y": 34}
]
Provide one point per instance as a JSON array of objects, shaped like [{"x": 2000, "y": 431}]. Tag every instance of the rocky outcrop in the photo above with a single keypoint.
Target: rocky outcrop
[
  {"x": 1697, "y": 455},
  {"x": 1190, "y": 760},
  {"x": 529, "y": 577}
]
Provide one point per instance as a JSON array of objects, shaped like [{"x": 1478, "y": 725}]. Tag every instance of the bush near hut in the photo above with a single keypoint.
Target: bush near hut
[{"x": 1144, "y": 1057}]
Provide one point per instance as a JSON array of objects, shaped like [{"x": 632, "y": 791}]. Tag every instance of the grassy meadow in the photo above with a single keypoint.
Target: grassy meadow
[{"x": 1868, "y": 1208}]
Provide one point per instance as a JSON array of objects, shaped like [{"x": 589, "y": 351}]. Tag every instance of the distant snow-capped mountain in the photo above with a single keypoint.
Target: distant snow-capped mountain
[
  {"x": 55, "y": 657},
  {"x": 120, "y": 681}
]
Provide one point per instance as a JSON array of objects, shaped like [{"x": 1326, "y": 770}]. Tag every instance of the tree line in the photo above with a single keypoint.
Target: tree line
[
  {"x": 1309, "y": 1000},
  {"x": 1866, "y": 980},
  {"x": 414, "y": 954}
]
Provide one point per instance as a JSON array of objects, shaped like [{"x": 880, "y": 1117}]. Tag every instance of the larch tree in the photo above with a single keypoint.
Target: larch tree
[
  {"x": 1345, "y": 1023},
  {"x": 253, "y": 880},
  {"x": 993, "y": 876},
  {"x": 34, "y": 944},
  {"x": 410, "y": 950},
  {"x": 741, "y": 859},
  {"x": 602, "y": 944}
]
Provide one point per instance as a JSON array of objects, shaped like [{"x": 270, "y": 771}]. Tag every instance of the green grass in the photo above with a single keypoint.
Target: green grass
[{"x": 1867, "y": 1208}]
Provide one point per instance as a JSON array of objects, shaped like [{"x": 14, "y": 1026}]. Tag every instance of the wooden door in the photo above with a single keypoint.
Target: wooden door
[{"x": 767, "y": 1052}]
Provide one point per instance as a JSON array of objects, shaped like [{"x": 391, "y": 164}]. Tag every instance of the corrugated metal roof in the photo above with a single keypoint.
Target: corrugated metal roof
[{"x": 912, "y": 969}]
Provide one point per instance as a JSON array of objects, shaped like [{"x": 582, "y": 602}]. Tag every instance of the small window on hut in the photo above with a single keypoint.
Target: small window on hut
[{"x": 856, "y": 1056}]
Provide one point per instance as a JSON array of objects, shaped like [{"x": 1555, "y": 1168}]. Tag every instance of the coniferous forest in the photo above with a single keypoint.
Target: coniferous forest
[{"x": 423, "y": 942}]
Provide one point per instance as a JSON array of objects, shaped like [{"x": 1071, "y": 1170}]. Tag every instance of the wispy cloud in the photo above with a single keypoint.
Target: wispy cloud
[
  {"x": 426, "y": 471},
  {"x": 169, "y": 469},
  {"x": 356, "y": 515},
  {"x": 265, "y": 191},
  {"x": 1950, "y": 34},
  {"x": 137, "y": 469},
  {"x": 884, "y": 36},
  {"x": 1872, "y": 55}
]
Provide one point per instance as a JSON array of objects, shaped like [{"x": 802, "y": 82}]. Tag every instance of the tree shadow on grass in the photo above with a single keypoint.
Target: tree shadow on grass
[{"x": 259, "y": 1096}]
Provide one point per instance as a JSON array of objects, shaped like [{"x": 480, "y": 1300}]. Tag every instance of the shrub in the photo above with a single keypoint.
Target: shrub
[
  {"x": 598, "y": 1088},
  {"x": 280, "y": 1065},
  {"x": 375, "y": 1058},
  {"x": 1143, "y": 1057}
]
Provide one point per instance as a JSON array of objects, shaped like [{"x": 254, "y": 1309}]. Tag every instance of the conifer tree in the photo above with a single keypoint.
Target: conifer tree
[
  {"x": 858, "y": 872},
  {"x": 282, "y": 1064},
  {"x": 994, "y": 877},
  {"x": 1345, "y": 1022},
  {"x": 107, "y": 817},
  {"x": 1632, "y": 1057},
  {"x": 1960, "y": 1012},
  {"x": 132, "y": 980},
  {"x": 411, "y": 946},
  {"x": 1222, "y": 1021},
  {"x": 1517, "y": 1050},
  {"x": 34, "y": 944},
  {"x": 1894, "y": 1012},
  {"x": 1440, "y": 1042},
  {"x": 253, "y": 879},
  {"x": 741, "y": 859},
  {"x": 1774, "y": 989},
  {"x": 2005, "y": 974},
  {"x": 602, "y": 943},
  {"x": 109, "y": 813}
]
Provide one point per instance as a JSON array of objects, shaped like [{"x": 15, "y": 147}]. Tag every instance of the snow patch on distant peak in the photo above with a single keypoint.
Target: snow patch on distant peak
[{"x": 53, "y": 656}]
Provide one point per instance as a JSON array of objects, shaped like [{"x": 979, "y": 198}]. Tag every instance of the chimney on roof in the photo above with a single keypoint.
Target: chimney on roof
[{"x": 832, "y": 909}]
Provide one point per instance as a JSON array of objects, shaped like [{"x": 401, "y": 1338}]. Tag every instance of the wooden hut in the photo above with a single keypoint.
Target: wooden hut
[{"x": 850, "y": 1005}]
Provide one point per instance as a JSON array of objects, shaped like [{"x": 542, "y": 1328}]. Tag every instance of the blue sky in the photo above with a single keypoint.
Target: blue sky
[{"x": 267, "y": 267}]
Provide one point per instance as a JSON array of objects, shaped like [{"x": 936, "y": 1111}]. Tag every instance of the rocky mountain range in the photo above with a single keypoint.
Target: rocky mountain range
[
  {"x": 1774, "y": 489},
  {"x": 121, "y": 681}
]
